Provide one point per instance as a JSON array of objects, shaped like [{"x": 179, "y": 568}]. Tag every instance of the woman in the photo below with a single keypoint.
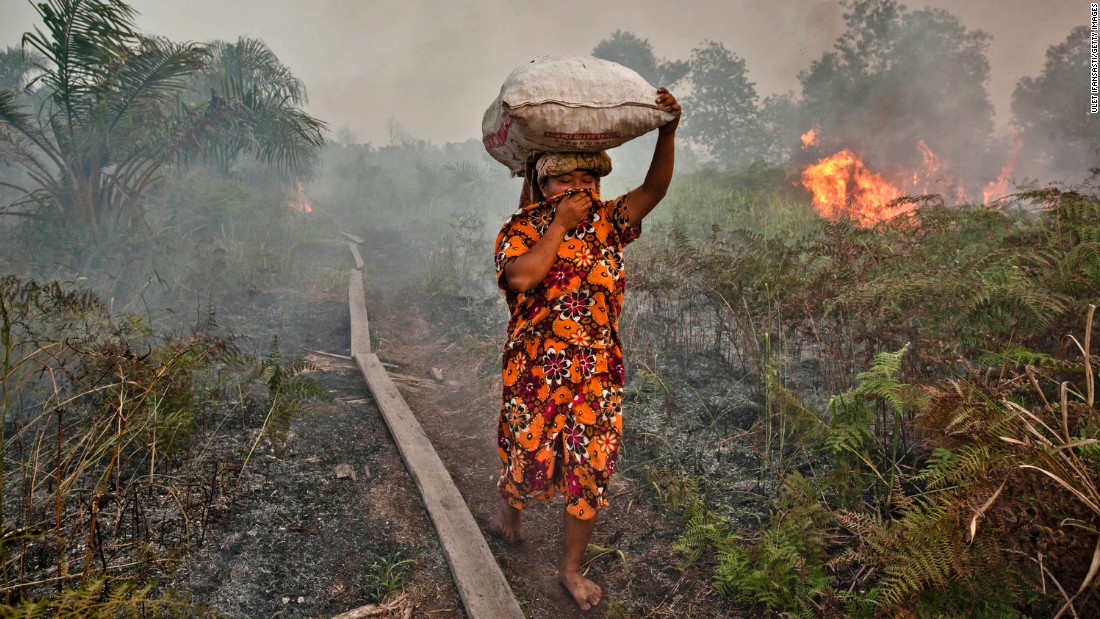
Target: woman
[{"x": 559, "y": 262}]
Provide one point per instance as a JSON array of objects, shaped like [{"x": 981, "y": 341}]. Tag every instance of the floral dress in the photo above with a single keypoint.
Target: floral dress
[{"x": 561, "y": 410}]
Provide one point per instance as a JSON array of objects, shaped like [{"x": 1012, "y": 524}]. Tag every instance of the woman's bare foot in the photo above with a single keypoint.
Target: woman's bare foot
[
  {"x": 585, "y": 592},
  {"x": 511, "y": 523}
]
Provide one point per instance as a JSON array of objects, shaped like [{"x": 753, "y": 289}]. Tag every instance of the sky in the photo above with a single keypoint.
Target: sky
[{"x": 434, "y": 66}]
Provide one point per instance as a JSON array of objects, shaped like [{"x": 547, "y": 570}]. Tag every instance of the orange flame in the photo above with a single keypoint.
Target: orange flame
[
  {"x": 926, "y": 175},
  {"x": 809, "y": 138},
  {"x": 843, "y": 187},
  {"x": 302, "y": 204},
  {"x": 996, "y": 189}
]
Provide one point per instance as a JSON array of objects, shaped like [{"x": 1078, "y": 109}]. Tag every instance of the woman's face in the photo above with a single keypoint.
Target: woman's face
[{"x": 577, "y": 179}]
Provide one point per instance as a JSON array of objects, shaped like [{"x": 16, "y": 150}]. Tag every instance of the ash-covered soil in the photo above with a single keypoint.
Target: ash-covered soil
[{"x": 292, "y": 538}]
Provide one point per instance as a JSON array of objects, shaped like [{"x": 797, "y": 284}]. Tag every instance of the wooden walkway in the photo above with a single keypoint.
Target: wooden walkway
[{"x": 485, "y": 592}]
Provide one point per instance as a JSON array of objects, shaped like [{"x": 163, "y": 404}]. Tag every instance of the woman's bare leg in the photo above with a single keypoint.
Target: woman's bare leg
[
  {"x": 577, "y": 535},
  {"x": 511, "y": 523}
]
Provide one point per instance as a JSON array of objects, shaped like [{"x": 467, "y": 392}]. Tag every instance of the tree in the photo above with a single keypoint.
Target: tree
[
  {"x": 782, "y": 123},
  {"x": 16, "y": 68},
  {"x": 112, "y": 114},
  {"x": 724, "y": 116},
  {"x": 249, "y": 74},
  {"x": 1052, "y": 110},
  {"x": 896, "y": 78},
  {"x": 16, "y": 71},
  {"x": 97, "y": 139},
  {"x": 346, "y": 137},
  {"x": 630, "y": 51}
]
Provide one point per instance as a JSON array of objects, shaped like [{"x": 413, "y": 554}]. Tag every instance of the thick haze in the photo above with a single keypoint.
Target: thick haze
[{"x": 434, "y": 66}]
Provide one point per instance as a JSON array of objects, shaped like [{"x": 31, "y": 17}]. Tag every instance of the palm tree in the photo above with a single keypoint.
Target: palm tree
[
  {"x": 250, "y": 75},
  {"x": 16, "y": 67},
  {"x": 114, "y": 109},
  {"x": 106, "y": 95}
]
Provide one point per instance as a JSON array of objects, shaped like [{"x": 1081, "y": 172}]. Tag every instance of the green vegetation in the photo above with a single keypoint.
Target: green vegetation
[
  {"x": 109, "y": 110},
  {"x": 387, "y": 573},
  {"x": 288, "y": 393},
  {"x": 139, "y": 175},
  {"x": 928, "y": 431}
]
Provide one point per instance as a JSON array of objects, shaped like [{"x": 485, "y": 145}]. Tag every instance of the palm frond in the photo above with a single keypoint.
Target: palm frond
[
  {"x": 80, "y": 38},
  {"x": 11, "y": 111},
  {"x": 154, "y": 76},
  {"x": 249, "y": 69}
]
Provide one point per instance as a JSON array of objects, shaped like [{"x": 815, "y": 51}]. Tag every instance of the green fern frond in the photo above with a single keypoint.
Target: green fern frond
[
  {"x": 881, "y": 381},
  {"x": 702, "y": 531},
  {"x": 850, "y": 437},
  {"x": 1015, "y": 357},
  {"x": 940, "y": 465},
  {"x": 784, "y": 569}
]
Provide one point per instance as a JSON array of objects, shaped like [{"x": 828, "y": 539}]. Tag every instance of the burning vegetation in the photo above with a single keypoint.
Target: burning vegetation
[
  {"x": 809, "y": 138},
  {"x": 843, "y": 188},
  {"x": 301, "y": 204}
]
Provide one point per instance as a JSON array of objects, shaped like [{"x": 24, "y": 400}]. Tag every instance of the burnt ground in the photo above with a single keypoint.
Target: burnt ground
[{"x": 292, "y": 540}]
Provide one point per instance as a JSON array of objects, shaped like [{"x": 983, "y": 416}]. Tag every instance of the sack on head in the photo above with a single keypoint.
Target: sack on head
[{"x": 568, "y": 104}]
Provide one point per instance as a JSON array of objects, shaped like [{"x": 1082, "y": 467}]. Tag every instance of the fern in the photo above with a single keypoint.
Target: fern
[
  {"x": 703, "y": 530},
  {"x": 103, "y": 599},
  {"x": 939, "y": 468},
  {"x": 784, "y": 569},
  {"x": 288, "y": 393},
  {"x": 881, "y": 382},
  {"x": 850, "y": 425},
  {"x": 946, "y": 468}
]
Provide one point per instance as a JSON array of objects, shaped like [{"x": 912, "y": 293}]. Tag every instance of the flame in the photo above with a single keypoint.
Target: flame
[
  {"x": 809, "y": 138},
  {"x": 996, "y": 189},
  {"x": 302, "y": 204},
  {"x": 843, "y": 187},
  {"x": 926, "y": 175}
]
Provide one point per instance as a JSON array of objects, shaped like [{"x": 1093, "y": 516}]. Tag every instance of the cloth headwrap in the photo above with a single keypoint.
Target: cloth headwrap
[{"x": 556, "y": 164}]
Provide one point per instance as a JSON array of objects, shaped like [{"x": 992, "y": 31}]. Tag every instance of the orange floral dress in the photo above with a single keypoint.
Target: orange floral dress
[{"x": 561, "y": 410}]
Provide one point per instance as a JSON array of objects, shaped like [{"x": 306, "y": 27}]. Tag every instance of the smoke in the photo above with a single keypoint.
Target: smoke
[{"x": 435, "y": 66}]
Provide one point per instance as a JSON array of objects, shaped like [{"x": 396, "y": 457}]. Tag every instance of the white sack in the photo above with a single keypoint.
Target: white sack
[{"x": 566, "y": 104}]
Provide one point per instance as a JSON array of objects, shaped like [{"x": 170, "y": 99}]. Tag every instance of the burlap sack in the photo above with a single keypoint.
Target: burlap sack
[{"x": 565, "y": 104}]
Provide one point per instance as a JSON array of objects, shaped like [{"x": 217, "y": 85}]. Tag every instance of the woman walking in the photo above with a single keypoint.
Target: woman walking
[{"x": 559, "y": 262}]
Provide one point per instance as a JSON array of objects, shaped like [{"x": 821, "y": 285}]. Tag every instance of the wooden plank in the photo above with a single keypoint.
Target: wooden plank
[
  {"x": 357, "y": 305},
  {"x": 485, "y": 592},
  {"x": 355, "y": 255},
  {"x": 351, "y": 237}
]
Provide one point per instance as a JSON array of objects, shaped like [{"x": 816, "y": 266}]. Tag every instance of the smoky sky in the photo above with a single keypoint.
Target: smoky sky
[{"x": 433, "y": 66}]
